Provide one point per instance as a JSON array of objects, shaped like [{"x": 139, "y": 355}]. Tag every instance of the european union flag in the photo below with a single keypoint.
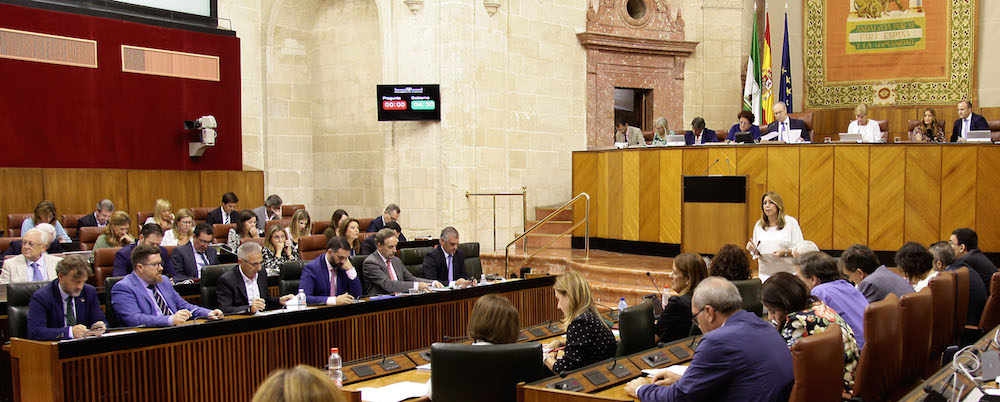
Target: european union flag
[{"x": 785, "y": 82}]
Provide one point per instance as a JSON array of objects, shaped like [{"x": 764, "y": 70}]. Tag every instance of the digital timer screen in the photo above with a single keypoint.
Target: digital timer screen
[{"x": 409, "y": 102}]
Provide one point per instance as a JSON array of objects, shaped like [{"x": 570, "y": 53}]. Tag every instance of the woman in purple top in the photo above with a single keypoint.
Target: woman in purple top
[
  {"x": 745, "y": 124},
  {"x": 821, "y": 275}
]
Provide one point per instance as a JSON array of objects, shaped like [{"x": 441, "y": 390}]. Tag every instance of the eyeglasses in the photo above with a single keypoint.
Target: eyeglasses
[
  {"x": 694, "y": 318},
  {"x": 156, "y": 264}
]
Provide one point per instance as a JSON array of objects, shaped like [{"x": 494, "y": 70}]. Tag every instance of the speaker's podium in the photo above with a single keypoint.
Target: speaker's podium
[{"x": 713, "y": 213}]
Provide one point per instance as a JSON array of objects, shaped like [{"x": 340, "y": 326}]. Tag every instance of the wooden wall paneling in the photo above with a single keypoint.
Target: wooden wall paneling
[
  {"x": 649, "y": 196},
  {"x": 885, "y": 203},
  {"x": 20, "y": 190},
  {"x": 923, "y": 194},
  {"x": 727, "y": 158},
  {"x": 850, "y": 196},
  {"x": 988, "y": 202},
  {"x": 615, "y": 195},
  {"x": 783, "y": 175},
  {"x": 816, "y": 195},
  {"x": 752, "y": 162},
  {"x": 671, "y": 162},
  {"x": 602, "y": 195},
  {"x": 630, "y": 195},
  {"x": 77, "y": 191},
  {"x": 695, "y": 161},
  {"x": 947, "y": 114},
  {"x": 958, "y": 188},
  {"x": 181, "y": 188},
  {"x": 585, "y": 181},
  {"x": 990, "y": 113},
  {"x": 247, "y": 185}
]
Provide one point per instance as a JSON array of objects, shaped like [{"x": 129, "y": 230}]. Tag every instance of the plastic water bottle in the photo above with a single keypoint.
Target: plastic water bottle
[
  {"x": 302, "y": 299},
  {"x": 334, "y": 368},
  {"x": 622, "y": 305},
  {"x": 666, "y": 296}
]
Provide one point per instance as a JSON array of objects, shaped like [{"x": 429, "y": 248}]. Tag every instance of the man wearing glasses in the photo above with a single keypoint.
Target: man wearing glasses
[
  {"x": 241, "y": 290},
  {"x": 146, "y": 297},
  {"x": 190, "y": 258},
  {"x": 66, "y": 308},
  {"x": 34, "y": 264},
  {"x": 152, "y": 235}
]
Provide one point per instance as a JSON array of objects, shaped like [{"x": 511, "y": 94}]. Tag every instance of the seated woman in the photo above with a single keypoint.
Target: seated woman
[
  {"x": 746, "y": 124},
  {"x": 588, "y": 338},
  {"x": 300, "y": 227},
  {"x": 162, "y": 215},
  {"x": 699, "y": 134},
  {"x": 798, "y": 315},
  {"x": 116, "y": 232},
  {"x": 182, "y": 231},
  {"x": 917, "y": 264},
  {"x": 299, "y": 384},
  {"x": 868, "y": 128},
  {"x": 660, "y": 131},
  {"x": 277, "y": 249},
  {"x": 246, "y": 228},
  {"x": 45, "y": 212},
  {"x": 351, "y": 230},
  {"x": 929, "y": 130},
  {"x": 731, "y": 263},
  {"x": 675, "y": 322},
  {"x": 338, "y": 218},
  {"x": 493, "y": 321}
]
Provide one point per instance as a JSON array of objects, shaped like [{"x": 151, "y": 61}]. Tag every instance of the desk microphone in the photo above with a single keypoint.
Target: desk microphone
[
  {"x": 655, "y": 287},
  {"x": 710, "y": 166},
  {"x": 691, "y": 334},
  {"x": 363, "y": 359},
  {"x": 731, "y": 167},
  {"x": 450, "y": 339}
]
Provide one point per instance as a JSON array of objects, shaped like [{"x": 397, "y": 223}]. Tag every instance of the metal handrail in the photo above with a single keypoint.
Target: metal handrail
[
  {"x": 524, "y": 208},
  {"x": 586, "y": 233}
]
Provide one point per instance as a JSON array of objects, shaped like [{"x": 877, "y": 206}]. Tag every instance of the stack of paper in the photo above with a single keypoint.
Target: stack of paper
[
  {"x": 676, "y": 369},
  {"x": 394, "y": 392}
]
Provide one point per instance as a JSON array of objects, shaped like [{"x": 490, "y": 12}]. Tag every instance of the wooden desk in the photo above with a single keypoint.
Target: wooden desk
[
  {"x": 942, "y": 378},
  {"x": 226, "y": 360}
]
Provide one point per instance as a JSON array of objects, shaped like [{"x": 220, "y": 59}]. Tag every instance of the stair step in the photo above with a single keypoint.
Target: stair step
[
  {"x": 564, "y": 215},
  {"x": 538, "y": 240},
  {"x": 552, "y": 227}
]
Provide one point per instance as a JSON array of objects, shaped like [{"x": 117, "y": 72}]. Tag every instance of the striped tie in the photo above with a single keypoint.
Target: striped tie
[{"x": 162, "y": 304}]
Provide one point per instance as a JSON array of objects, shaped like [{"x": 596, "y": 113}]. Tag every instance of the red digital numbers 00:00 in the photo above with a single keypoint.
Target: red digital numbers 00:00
[{"x": 394, "y": 105}]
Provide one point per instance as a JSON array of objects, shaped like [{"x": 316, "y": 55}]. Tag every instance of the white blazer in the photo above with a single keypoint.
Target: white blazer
[{"x": 16, "y": 269}]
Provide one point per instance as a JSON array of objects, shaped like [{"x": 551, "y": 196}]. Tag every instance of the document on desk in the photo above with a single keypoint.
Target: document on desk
[
  {"x": 394, "y": 392},
  {"x": 676, "y": 369},
  {"x": 104, "y": 335}
]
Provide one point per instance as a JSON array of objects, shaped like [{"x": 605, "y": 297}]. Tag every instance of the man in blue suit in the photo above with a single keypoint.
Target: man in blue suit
[
  {"x": 151, "y": 234},
  {"x": 189, "y": 259},
  {"x": 66, "y": 308},
  {"x": 146, "y": 297},
  {"x": 391, "y": 214},
  {"x": 741, "y": 357},
  {"x": 699, "y": 134},
  {"x": 967, "y": 121},
  {"x": 332, "y": 270}
]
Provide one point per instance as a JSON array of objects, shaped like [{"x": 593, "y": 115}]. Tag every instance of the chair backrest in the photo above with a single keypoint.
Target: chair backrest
[
  {"x": 917, "y": 322},
  {"x": 109, "y": 309},
  {"x": 288, "y": 210},
  {"x": 283, "y": 222},
  {"x": 257, "y": 240},
  {"x": 312, "y": 246},
  {"x": 201, "y": 213},
  {"x": 70, "y": 223},
  {"x": 18, "y": 298},
  {"x": 289, "y": 274},
  {"x": 362, "y": 224},
  {"x": 210, "y": 283},
  {"x": 635, "y": 327},
  {"x": 750, "y": 292},
  {"x": 220, "y": 232},
  {"x": 14, "y": 222},
  {"x": 818, "y": 367},
  {"x": 413, "y": 259},
  {"x": 491, "y": 372},
  {"x": 5, "y": 243},
  {"x": 88, "y": 236},
  {"x": 877, "y": 376},
  {"x": 991, "y": 312},
  {"x": 994, "y": 129},
  {"x": 320, "y": 226},
  {"x": 961, "y": 301},
  {"x": 141, "y": 216},
  {"x": 473, "y": 265},
  {"x": 104, "y": 266},
  {"x": 943, "y": 293}
]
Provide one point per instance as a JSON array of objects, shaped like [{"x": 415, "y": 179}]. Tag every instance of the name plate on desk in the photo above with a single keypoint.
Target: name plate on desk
[
  {"x": 720, "y": 189},
  {"x": 363, "y": 371}
]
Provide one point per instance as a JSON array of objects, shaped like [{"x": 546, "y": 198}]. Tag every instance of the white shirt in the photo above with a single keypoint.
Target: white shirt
[
  {"x": 63, "y": 296},
  {"x": 388, "y": 264},
  {"x": 168, "y": 238},
  {"x": 870, "y": 132},
  {"x": 225, "y": 216},
  {"x": 200, "y": 259},
  {"x": 771, "y": 240},
  {"x": 784, "y": 128},
  {"x": 351, "y": 274},
  {"x": 253, "y": 292},
  {"x": 924, "y": 282},
  {"x": 99, "y": 224}
]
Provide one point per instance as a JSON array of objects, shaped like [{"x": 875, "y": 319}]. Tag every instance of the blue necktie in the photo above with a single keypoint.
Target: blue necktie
[
  {"x": 36, "y": 272},
  {"x": 451, "y": 275}
]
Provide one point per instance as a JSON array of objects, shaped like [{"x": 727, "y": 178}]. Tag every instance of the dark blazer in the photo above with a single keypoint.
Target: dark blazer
[
  {"x": 135, "y": 307},
  {"x": 315, "y": 281},
  {"x": 726, "y": 367},
  {"x": 978, "y": 123},
  {"x": 368, "y": 245},
  {"x": 436, "y": 267},
  {"x": 378, "y": 281},
  {"x": 379, "y": 224},
  {"x": 754, "y": 131},
  {"x": 123, "y": 261},
  {"x": 215, "y": 216},
  {"x": 588, "y": 341},
  {"x": 232, "y": 295},
  {"x": 977, "y": 294},
  {"x": 793, "y": 124},
  {"x": 86, "y": 220},
  {"x": 675, "y": 321},
  {"x": 183, "y": 262},
  {"x": 47, "y": 312},
  {"x": 979, "y": 263},
  {"x": 706, "y": 136},
  {"x": 15, "y": 249}
]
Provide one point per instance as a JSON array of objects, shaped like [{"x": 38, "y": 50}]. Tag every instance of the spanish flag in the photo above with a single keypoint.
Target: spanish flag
[{"x": 767, "y": 96}]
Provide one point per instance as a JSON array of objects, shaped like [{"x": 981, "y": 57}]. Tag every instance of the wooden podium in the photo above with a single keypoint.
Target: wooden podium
[{"x": 713, "y": 213}]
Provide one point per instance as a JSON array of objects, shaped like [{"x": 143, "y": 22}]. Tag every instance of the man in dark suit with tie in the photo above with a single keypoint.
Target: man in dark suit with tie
[
  {"x": 188, "y": 259},
  {"x": 66, "y": 308},
  {"x": 967, "y": 121},
  {"x": 446, "y": 264},
  {"x": 151, "y": 234},
  {"x": 100, "y": 217},
  {"x": 783, "y": 123},
  {"x": 385, "y": 273},
  {"x": 242, "y": 290},
  {"x": 331, "y": 271},
  {"x": 725, "y": 367},
  {"x": 146, "y": 297},
  {"x": 225, "y": 214},
  {"x": 391, "y": 214},
  {"x": 368, "y": 244},
  {"x": 699, "y": 134}
]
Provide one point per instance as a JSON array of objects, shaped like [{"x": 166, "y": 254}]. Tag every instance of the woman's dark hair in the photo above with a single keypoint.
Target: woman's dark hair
[
  {"x": 730, "y": 262},
  {"x": 44, "y": 207},
  {"x": 335, "y": 219},
  {"x": 914, "y": 260},
  {"x": 245, "y": 215},
  {"x": 745, "y": 114},
  {"x": 785, "y": 292}
]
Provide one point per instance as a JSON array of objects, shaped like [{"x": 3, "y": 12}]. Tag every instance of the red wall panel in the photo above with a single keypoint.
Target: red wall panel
[{"x": 76, "y": 117}]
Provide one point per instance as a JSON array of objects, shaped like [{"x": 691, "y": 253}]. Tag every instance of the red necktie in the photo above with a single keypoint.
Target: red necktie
[
  {"x": 333, "y": 282},
  {"x": 392, "y": 272}
]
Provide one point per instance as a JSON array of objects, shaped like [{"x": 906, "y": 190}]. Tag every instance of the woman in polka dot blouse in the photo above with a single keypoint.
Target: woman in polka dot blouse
[{"x": 588, "y": 338}]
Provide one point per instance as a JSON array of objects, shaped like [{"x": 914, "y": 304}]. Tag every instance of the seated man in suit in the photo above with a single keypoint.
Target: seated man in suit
[
  {"x": 965, "y": 242},
  {"x": 146, "y": 297},
  {"x": 368, "y": 245},
  {"x": 151, "y": 235},
  {"x": 34, "y": 264},
  {"x": 446, "y": 264},
  {"x": 330, "y": 278},
  {"x": 823, "y": 279},
  {"x": 14, "y": 248},
  {"x": 944, "y": 260},
  {"x": 391, "y": 214},
  {"x": 782, "y": 124},
  {"x": 100, "y": 217},
  {"x": 66, "y": 308},
  {"x": 874, "y": 280},
  {"x": 699, "y": 134},
  {"x": 628, "y": 134},
  {"x": 270, "y": 211},
  {"x": 225, "y": 214},
  {"x": 967, "y": 121},
  {"x": 188, "y": 259},
  {"x": 385, "y": 273},
  {"x": 241, "y": 290},
  {"x": 725, "y": 367}
]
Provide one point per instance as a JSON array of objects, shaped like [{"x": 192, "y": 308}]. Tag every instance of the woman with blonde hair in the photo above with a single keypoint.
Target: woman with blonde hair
[
  {"x": 868, "y": 128},
  {"x": 116, "y": 232},
  {"x": 299, "y": 384},
  {"x": 300, "y": 226},
  {"x": 774, "y": 237},
  {"x": 351, "y": 230},
  {"x": 162, "y": 215},
  {"x": 182, "y": 231},
  {"x": 675, "y": 322},
  {"x": 660, "y": 131},
  {"x": 588, "y": 338},
  {"x": 277, "y": 249}
]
